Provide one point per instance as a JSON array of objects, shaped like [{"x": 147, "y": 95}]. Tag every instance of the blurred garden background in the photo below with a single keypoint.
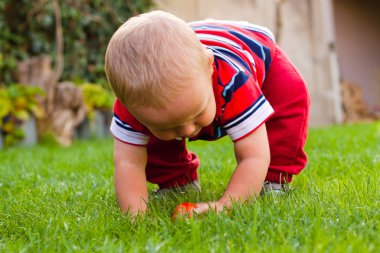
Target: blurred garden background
[{"x": 52, "y": 80}]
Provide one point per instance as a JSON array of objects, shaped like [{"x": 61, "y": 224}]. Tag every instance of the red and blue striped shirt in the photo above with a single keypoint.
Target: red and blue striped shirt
[{"x": 242, "y": 57}]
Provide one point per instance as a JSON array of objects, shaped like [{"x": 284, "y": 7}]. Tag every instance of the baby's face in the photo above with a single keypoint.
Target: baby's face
[{"x": 194, "y": 109}]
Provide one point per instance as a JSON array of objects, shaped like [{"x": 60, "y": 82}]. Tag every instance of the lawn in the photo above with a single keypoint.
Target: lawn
[{"x": 55, "y": 199}]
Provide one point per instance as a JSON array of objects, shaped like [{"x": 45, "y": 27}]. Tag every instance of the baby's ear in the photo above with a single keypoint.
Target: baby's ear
[{"x": 210, "y": 56}]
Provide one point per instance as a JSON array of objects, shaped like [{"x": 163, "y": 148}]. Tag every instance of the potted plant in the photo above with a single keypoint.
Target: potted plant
[
  {"x": 5, "y": 108},
  {"x": 98, "y": 102},
  {"x": 18, "y": 108}
]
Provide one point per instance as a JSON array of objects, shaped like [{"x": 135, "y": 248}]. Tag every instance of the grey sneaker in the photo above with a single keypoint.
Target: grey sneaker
[
  {"x": 275, "y": 188},
  {"x": 193, "y": 186}
]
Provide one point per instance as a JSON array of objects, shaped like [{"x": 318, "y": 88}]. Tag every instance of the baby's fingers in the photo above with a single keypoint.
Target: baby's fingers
[
  {"x": 202, "y": 208},
  {"x": 209, "y": 206}
]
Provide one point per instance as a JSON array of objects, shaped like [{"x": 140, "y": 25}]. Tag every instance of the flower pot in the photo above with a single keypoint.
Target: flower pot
[
  {"x": 98, "y": 127},
  {"x": 29, "y": 128},
  {"x": 1, "y": 140}
]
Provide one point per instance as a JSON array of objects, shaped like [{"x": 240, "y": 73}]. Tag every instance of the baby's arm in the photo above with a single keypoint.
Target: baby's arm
[
  {"x": 253, "y": 158},
  {"x": 129, "y": 178}
]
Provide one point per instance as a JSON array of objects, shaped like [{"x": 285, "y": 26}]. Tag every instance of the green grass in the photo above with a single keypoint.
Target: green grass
[{"x": 55, "y": 199}]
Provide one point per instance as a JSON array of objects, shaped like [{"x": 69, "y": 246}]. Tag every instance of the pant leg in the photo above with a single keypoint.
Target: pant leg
[
  {"x": 170, "y": 164},
  {"x": 286, "y": 91}
]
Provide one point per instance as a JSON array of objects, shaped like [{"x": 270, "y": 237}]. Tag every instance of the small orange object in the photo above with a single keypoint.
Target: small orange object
[{"x": 184, "y": 210}]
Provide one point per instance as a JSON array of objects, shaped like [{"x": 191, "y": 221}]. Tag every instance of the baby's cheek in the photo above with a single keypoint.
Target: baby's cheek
[{"x": 206, "y": 120}]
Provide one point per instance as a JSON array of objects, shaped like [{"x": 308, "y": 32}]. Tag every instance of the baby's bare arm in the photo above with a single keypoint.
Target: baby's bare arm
[
  {"x": 253, "y": 158},
  {"x": 129, "y": 178}
]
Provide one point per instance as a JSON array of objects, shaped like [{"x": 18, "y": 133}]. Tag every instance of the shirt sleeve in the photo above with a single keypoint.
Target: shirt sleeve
[
  {"x": 245, "y": 108},
  {"x": 126, "y": 128}
]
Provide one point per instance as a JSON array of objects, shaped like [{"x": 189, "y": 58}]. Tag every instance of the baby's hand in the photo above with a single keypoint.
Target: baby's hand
[
  {"x": 188, "y": 210},
  {"x": 209, "y": 206}
]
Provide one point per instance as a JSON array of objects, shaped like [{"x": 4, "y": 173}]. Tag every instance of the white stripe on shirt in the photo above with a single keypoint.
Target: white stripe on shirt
[
  {"x": 252, "y": 122},
  {"x": 128, "y": 136}
]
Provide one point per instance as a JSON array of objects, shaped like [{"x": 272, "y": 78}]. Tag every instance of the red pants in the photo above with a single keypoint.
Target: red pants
[{"x": 170, "y": 164}]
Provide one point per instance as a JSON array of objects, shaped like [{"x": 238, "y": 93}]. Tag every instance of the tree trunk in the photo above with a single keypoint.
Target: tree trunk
[
  {"x": 69, "y": 112},
  {"x": 67, "y": 102},
  {"x": 37, "y": 71}
]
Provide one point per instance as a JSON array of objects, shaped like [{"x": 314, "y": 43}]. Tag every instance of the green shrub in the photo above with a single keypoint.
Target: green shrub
[
  {"x": 28, "y": 29},
  {"x": 96, "y": 97},
  {"x": 17, "y": 104}
]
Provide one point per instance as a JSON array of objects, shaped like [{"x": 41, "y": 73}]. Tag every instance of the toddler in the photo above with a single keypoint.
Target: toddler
[{"x": 204, "y": 80}]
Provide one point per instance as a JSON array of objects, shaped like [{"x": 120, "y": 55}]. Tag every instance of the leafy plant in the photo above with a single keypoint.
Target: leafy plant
[
  {"x": 27, "y": 28},
  {"x": 96, "y": 97},
  {"x": 17, "y": 103},
  {"x": 5, "y": 104}
]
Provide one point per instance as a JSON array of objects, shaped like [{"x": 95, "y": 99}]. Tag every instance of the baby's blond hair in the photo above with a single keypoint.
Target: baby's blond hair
[{"x": 150, "y": 56}]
